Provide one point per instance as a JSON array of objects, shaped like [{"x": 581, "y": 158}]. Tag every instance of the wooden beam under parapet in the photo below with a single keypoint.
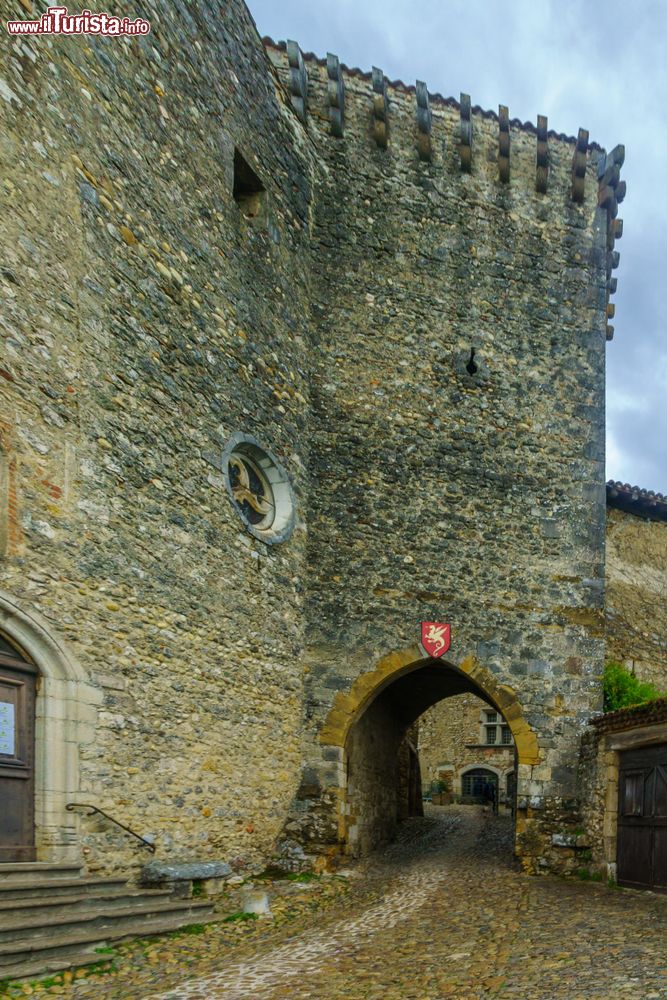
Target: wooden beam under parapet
[
  {"x": 611, "y": 191},
  {"x": 380, "y": 109},
  {"x": 607, "y": 199},
  {"x": 613, "y": 259},
  {"x": 503, "y": 143},
  {"x": 542, "y": 157},
  {"x": 465, "y": 144},
  {"x": 424, "y": 122},
  {"x": 335, "y": 96},
  {"x": 298, "y": 80},
  {"x": 611, "y": 163},
  {"x": 579, "y": 166}
]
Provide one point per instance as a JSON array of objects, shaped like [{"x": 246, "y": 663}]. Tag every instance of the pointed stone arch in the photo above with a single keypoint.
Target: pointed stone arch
[
  {"x": 349, "y": 706},
  {"x": 437, "y": 679},
  {"x": 65, "y": 717}
]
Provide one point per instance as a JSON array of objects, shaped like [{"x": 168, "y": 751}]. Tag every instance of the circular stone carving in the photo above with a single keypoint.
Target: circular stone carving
[{"x": 259, "y": 489}]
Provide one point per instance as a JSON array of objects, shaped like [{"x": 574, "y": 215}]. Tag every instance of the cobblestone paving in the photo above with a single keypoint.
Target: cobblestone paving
[{"x": 441, "y": 914}]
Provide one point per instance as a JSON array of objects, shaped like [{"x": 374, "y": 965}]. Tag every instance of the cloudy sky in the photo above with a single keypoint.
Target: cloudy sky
[{"x": 593, "y": 65}]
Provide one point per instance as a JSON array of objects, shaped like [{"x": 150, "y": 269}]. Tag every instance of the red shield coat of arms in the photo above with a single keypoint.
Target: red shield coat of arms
[{"x": 436, "y": 638}]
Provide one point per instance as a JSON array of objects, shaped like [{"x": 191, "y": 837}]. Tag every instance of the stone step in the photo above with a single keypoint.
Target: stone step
[
  {"x": 27, "y": 870},
  {"x": 94, "y": 924},
  {"x": 74, "y": 959},
  {"x": 31, "y": 888},
  {"x": 47, "y": 907},
  {"x": 61, "y": 950}
]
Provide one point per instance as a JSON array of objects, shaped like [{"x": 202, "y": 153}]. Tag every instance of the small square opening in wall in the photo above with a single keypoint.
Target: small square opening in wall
[{"x": 249, "y": 192}]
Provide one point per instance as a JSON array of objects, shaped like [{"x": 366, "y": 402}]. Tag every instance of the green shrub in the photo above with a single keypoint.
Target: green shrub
[
  {"x": 622, "y": 689},
  {"x": 240, "y": 917}
]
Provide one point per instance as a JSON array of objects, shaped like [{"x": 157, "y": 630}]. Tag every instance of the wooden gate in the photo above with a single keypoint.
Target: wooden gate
[
  {"x": 642, "y": 819},
  {"x": 17, "y": 751}
]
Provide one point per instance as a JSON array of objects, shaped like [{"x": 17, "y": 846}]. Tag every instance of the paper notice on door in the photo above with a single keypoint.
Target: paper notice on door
[{"x": 7, "y": 729}]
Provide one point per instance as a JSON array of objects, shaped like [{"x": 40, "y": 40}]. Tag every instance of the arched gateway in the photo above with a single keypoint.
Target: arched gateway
[{"x": 366, "y": 725}]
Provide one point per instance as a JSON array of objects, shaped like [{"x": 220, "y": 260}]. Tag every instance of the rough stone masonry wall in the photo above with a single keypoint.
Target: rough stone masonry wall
[
  {"x": 636, "y": 617},
  {"x": 473, "y": 499},
  {"x": 144, "y": 321},
  {"x": 636, "y": 594}
]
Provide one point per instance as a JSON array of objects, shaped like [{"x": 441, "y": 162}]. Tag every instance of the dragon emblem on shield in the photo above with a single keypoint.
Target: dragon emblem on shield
[{"x": 436, "y": 637}]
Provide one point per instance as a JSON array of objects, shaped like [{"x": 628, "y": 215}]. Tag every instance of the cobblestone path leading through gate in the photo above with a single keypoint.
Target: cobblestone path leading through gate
[{"x": 443, "y": 914}]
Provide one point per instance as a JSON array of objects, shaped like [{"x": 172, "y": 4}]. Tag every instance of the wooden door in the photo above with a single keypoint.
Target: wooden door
[
  {"x": 642, "y": 819},
  {"x": 17, "y": 753}
]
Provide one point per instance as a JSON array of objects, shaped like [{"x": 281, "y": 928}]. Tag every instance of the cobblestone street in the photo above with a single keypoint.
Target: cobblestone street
[{"x": 442, "y": 913}]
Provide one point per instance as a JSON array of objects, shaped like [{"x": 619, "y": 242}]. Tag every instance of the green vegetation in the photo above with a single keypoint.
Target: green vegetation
[
  {"x": 189, "y": 929},
  {"x": 273, "y": 874},
  {"x": 622, "y": 689},
  {"x": 586, "y": 875},
  {"x": 240, "y": 916}
]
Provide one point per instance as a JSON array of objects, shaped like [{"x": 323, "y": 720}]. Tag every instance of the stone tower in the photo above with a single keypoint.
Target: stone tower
[{"x": 461, "y": 268}]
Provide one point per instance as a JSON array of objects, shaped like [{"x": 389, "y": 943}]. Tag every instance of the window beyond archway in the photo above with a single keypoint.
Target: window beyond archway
[{"x": 495, "y": 731}]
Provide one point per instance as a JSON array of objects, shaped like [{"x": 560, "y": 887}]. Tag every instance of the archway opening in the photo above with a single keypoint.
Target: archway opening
[
  {"x": 374, "y": 725},
  {"x": 384, "y": 776}
]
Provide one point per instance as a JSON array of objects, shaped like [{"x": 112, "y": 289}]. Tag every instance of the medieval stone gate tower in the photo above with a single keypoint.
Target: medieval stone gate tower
[{"x": 294, "y": 359}]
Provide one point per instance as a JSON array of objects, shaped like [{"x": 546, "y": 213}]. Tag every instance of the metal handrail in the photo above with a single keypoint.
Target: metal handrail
[{"x": 95, "y": 809}]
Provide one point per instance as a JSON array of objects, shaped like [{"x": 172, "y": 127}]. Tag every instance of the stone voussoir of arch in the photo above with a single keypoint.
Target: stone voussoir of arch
[{"x": 349, "y": 706}]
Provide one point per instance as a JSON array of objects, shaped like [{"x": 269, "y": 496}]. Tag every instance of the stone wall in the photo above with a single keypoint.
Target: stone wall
[
  {"x": 636, "y": 628},
  {"x": 145, "y": 320},
  {"x": 449, "y": 486},
  {"x": 636, "y": 594},
  {"x": 373, "y": 780}
]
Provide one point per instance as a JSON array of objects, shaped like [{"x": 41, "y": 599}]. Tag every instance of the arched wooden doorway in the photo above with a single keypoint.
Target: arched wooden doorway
[
  {"x": 63, "y": 715},
  {"x": 18, "y": 690}
]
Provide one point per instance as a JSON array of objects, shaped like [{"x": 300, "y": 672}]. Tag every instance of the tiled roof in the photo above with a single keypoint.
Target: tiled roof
[
  {"x": 651, "y": 713},
  {"x": 633, "y": 500}
]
